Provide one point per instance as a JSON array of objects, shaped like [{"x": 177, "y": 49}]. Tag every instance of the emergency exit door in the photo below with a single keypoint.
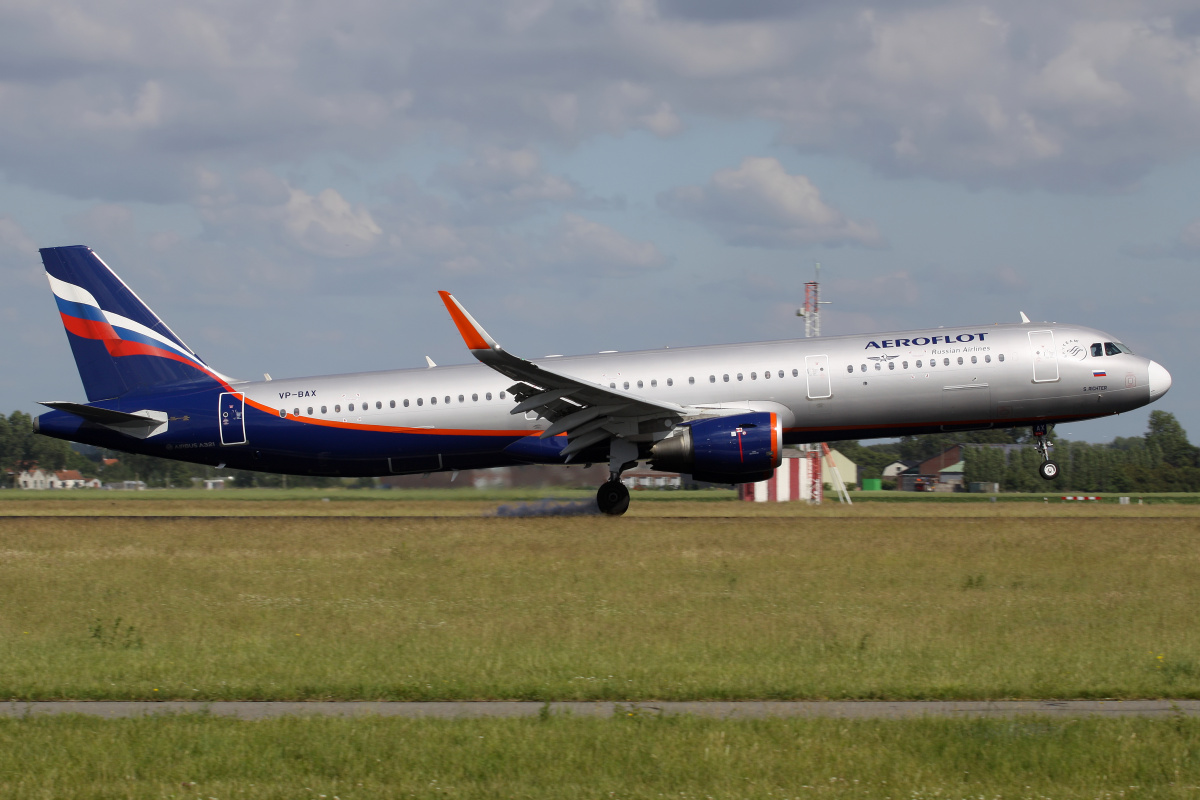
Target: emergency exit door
[
  {"x": 1045, "y": 359},
  {"x": 816, "y": 369}
]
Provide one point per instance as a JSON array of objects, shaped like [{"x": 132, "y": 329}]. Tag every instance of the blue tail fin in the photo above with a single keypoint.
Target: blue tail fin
[{"x": 120, "y": 345}]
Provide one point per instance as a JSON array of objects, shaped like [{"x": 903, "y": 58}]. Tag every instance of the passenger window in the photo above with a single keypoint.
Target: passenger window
[
  {"x": 337, "y": 409},
  {"x": 739, "y": 376},
  {"x": 626, "y": 384},
  {"x": 905, "y": 365},
  {"x": 420, "y": 401},
  {"x": 987, "y": 359},
  {"x": 850, "y": 368},
  {"x": 766, "y": 375},
  {"x": 1000, "y": 357},
  {"x": 406, "y": 402},
  {"x": 612, "y": 386},
  {"x": 753, "y": 376},
  {"x": 310, "y": 411},
  {"x": 1097, "y": 350},
  {"x": 795, "y": 373},
  {"x": 945, "y": 362},
  {"x": 433, "y": 401},
  {"x": 918, "y": 363},
  {"x": 654, "y": 383},
  {"x": 877, "y": 367},
  {"x": 712, "y": 378},
  {"x": 391, "y": 403},
  {"x": 725, "y": 377},
  {"x": 691, "y": 381},
  {"x": 461, "y": 398},
  {"x": 960, "y": 361},
  {"x": 487, "y": 396},
  {"x": 974, "y": 359},
  {"x": 475, "y": 397},
  {"x": 891, "y": 365},
  {"x": 295, "y": 412},
  {"x": 640, "y": 384},
  {"x": 323, "y": 409},
  {"x": 863, "y": 368},
  {"x": 502, "y": 395},
  {"x": 670, "y": 381}
]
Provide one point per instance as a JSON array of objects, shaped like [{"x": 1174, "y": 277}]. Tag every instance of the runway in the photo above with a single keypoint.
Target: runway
[{"x": 748, "y": 709}]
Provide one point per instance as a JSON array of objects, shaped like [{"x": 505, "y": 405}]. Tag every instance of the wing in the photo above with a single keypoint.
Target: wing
[{"x": 588, "y": 413}]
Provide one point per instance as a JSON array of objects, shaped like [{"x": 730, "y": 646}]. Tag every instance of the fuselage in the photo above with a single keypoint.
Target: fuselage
[{"x": 458, "y": 417}]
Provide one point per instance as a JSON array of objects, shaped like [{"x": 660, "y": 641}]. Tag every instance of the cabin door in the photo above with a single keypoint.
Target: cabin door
[
  {"x": 1045, "y": 359},
  {"x": 816, "y": 369},
  {"x": 231, "y": 417}
]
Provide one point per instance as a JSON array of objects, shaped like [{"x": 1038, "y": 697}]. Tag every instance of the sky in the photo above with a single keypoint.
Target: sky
[{"x": 288, "y": 183}]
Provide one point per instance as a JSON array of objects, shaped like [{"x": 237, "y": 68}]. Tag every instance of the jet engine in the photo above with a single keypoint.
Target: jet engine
[{"x": 742, "y": 448}]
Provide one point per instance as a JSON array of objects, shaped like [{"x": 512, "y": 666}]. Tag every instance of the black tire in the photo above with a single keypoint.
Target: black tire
[
  {"x": 613, "y": 498},
  {"x": 1048, "y": 470}
]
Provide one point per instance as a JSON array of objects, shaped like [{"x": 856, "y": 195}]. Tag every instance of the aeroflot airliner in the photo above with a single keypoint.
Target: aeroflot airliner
[{"x": 720, "y": 413}]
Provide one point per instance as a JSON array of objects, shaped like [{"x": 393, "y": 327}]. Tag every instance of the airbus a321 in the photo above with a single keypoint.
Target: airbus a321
[{"x": 719, "y": 413}]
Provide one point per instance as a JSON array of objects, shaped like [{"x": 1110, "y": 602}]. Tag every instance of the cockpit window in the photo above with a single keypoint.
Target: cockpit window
[
  {"x": 1114, "y": 348},
  {"x": 1097, "y": 350}
]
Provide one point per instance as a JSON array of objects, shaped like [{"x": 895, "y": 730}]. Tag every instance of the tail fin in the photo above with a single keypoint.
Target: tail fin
[{"x": 120, "y": 345}]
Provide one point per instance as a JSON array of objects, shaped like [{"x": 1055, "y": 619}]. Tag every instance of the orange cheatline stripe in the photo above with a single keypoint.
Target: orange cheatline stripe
[{"x": 465, "y": 328}]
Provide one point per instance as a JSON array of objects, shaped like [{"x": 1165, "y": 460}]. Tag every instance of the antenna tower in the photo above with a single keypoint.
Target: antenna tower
[{"x": 812, "y": 329}]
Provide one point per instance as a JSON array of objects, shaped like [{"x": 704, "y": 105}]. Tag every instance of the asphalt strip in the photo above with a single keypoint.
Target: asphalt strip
[{"x": 747, "y": 709}]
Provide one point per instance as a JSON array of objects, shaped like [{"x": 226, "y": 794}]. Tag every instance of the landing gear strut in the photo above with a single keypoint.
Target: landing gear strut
[
  {"x": 613, "y": 497},
  {"x": 1047, "y": 469}
]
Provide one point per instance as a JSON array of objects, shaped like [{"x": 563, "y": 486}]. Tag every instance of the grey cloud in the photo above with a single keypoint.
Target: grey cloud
[
  {"x": 126, "y": 102},
  {"x": 760, "y": 205}
]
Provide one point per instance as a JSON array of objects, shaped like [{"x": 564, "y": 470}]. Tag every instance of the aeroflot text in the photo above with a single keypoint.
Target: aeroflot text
[{"x": 921, "y": 341}]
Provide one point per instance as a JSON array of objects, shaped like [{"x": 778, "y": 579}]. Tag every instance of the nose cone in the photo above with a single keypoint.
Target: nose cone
[{"x": 1160, "y": 380}]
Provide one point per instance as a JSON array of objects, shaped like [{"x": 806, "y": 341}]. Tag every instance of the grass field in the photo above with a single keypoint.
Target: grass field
[
  {"x": 558, "y": 758},
  {"x": 924, "y": 601}
]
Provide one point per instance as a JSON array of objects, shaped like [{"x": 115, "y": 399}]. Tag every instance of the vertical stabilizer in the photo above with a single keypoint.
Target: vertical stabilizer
[{"x": 120, "y": 345}]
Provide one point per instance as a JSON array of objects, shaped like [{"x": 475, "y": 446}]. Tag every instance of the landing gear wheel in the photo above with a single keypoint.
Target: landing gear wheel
[
  {"x": 1048, "y": 470},
  {"x": 613, "y": 498}
]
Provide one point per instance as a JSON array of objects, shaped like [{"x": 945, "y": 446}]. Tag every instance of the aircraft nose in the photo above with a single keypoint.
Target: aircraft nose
[{"x": 1160, "y": 380}]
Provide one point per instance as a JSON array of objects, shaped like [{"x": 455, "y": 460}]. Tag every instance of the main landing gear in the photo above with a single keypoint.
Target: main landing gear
[
  {"x": 613, "y": 497},
  {"x": 1048, "y": 469}
]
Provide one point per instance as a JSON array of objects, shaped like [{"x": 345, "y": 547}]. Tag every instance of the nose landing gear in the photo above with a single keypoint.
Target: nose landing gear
[{"x": 1047, "y": 469}]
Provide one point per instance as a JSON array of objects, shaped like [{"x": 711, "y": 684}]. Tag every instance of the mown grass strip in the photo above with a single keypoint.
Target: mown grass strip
[
  {"x": 626, "y": 756},
  {"x": 596, "y": 609}
]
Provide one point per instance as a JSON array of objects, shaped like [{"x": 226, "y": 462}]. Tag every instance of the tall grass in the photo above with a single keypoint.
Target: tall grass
[
  {"x": 560, "y": 758},
  {"x": 1092, "y": 604}
]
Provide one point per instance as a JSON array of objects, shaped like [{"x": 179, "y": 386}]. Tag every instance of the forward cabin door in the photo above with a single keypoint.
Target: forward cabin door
[
  {"x": 816, "y": 369},
  {"x": 231, "y": 417},
  {"x": 1045, "y": 359}
]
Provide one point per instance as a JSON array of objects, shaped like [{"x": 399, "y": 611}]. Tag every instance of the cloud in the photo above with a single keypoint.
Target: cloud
[
  {"x": 582, "y": 244},
  {"x": 125, "y": 102},
  {"x": 14, "y": 240},
  {"x": 760, "y": 205}
]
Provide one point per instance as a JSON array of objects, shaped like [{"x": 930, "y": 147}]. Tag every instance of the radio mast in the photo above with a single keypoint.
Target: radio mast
[{"x": 812, "y": 329}]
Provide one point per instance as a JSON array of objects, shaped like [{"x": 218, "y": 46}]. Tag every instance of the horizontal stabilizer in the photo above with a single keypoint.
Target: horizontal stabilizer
[{"x": 139, "y": 424}]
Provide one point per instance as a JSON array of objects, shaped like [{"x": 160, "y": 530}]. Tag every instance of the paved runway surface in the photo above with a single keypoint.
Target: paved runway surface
[{"x": 718, "y": 710}]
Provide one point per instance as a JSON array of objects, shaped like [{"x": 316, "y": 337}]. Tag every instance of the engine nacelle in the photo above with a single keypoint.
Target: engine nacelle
[{"x": 743, "y": 448}]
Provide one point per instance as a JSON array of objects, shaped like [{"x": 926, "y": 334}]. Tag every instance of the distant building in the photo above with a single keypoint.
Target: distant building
[
  {"x": 932, "y": 475},
  {"x": 894, "y": 469},
  {"x": 35, "y": 478}
]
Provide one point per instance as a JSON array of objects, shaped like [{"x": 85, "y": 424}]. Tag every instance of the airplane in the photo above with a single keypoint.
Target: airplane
[{"x": 722, "y": 414}]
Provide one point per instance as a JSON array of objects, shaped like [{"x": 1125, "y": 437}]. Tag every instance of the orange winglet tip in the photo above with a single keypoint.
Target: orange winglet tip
[{"x": 468, "y": 328}]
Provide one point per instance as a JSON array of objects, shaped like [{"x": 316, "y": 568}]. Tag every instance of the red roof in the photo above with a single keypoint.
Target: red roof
[{"x": 69, "y": 475}]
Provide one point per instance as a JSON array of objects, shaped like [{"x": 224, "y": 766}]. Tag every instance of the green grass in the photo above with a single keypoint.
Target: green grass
[
  {"x": 637, "y": 757},
  {"x": 889, "y": 602}
]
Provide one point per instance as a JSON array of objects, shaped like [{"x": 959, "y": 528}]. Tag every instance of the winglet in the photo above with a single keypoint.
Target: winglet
[{"x": 472, "y": 332}]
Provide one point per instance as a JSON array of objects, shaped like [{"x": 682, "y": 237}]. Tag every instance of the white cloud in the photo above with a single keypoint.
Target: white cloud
[
  {"x": 759, "y": 204},
  {"x": 583, "y": 244},
  {"x": 328, "y": 225}
]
